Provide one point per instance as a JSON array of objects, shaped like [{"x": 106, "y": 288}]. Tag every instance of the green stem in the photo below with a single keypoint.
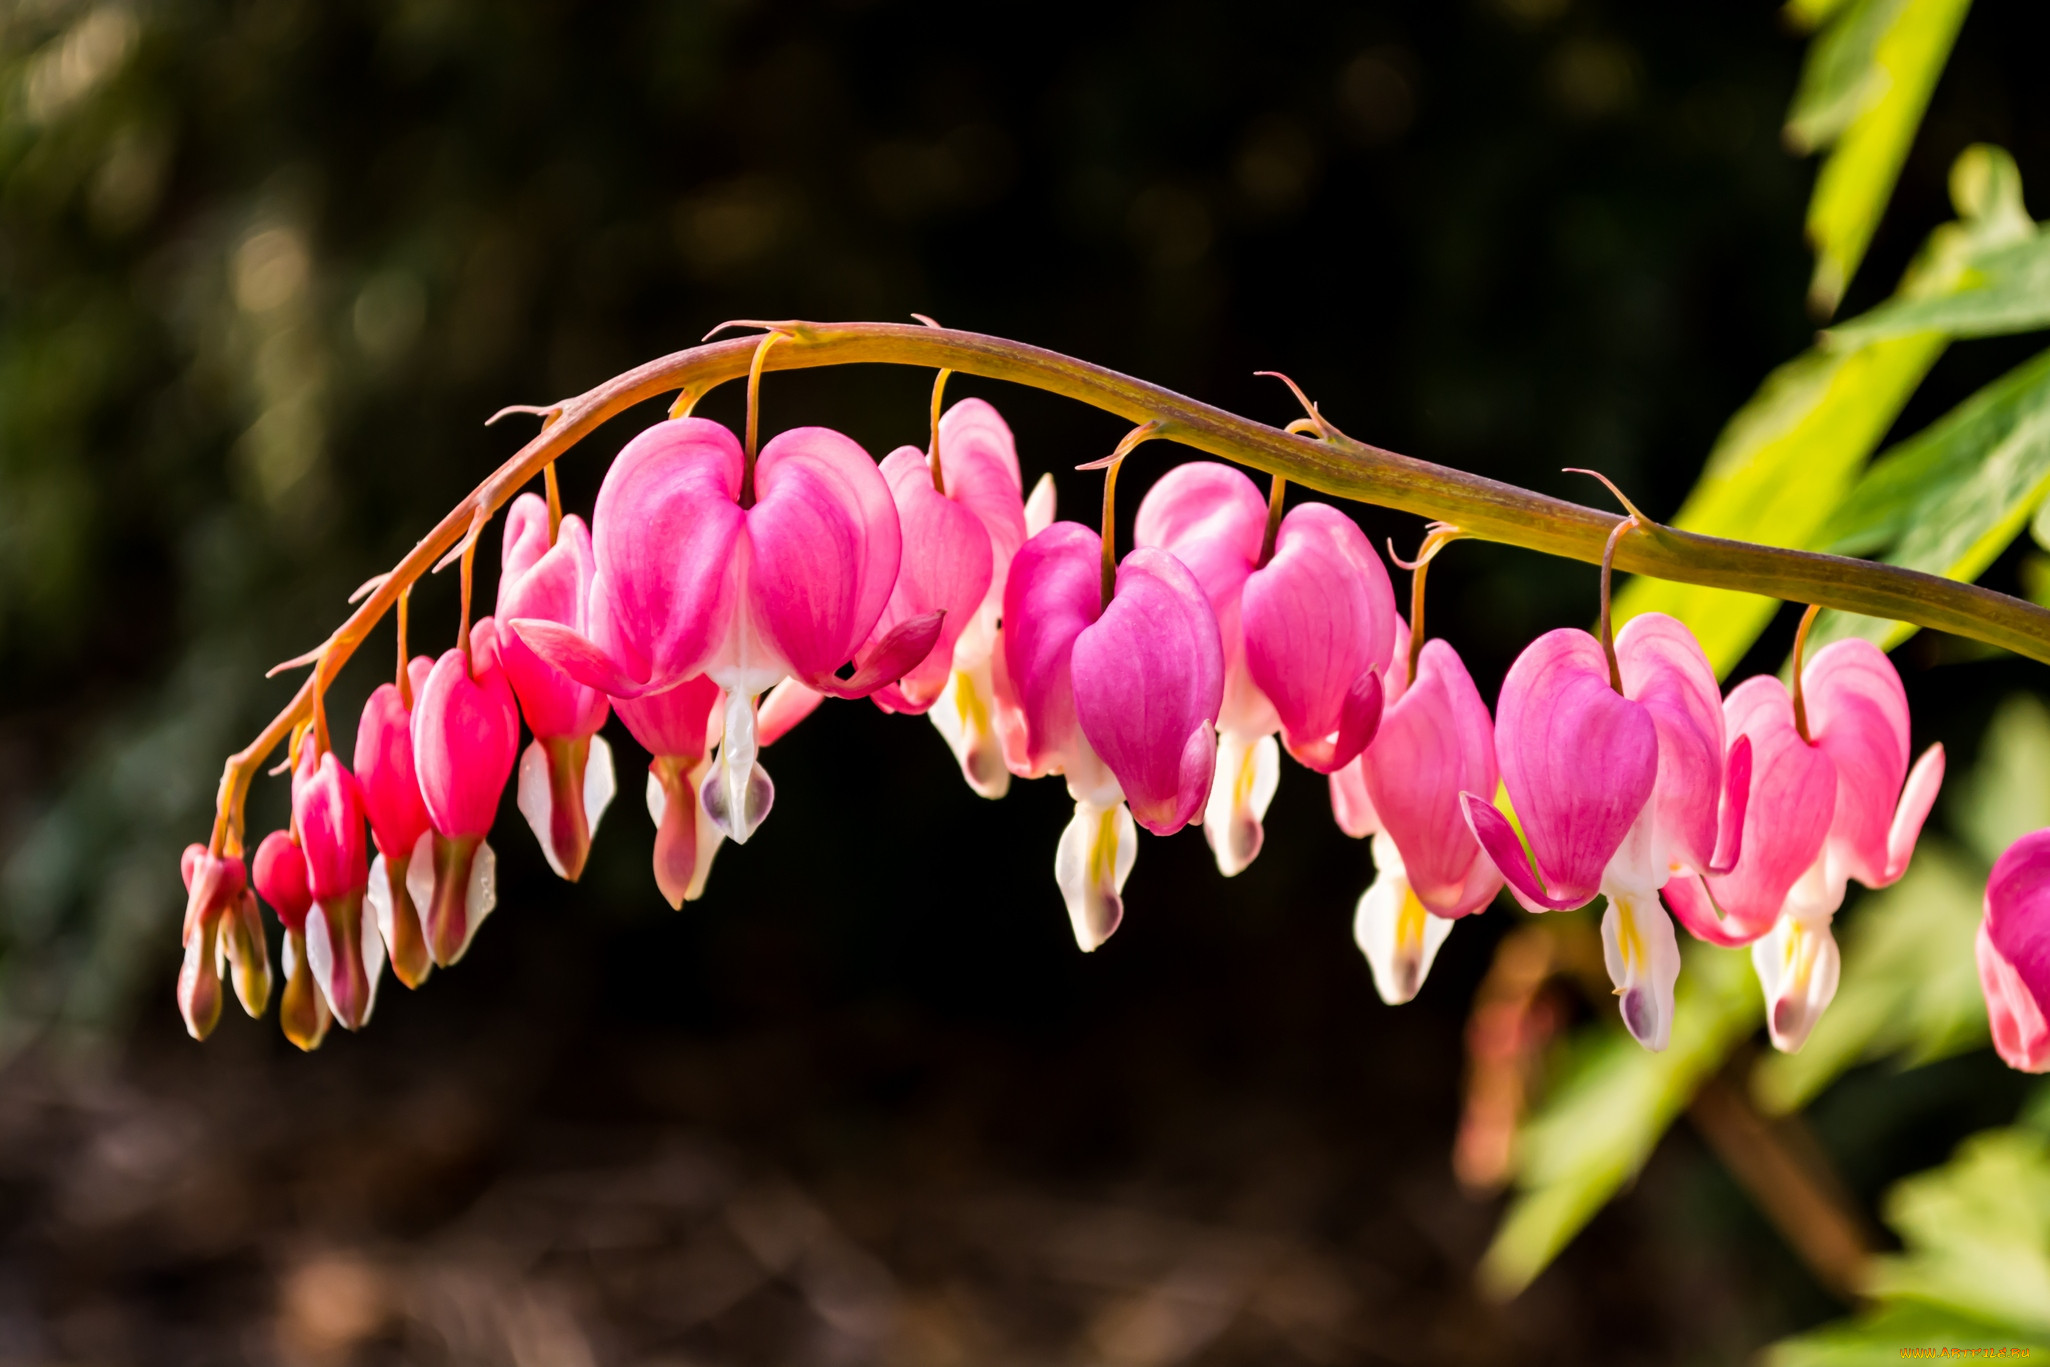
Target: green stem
[{"x": 1484, "y": 509}]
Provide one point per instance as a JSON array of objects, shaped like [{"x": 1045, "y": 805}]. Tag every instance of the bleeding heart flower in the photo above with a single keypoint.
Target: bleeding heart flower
[
  {"x": 279, "y": 871},
  {"x": 2014, "y": 953},
  {"x": 342, "y": 948},
  {"x": 390, "y": 789},
  {"x": 746, "y": 574},
  {"x": 1617, "y": 791},
  {"x": 971, "y": 517},
  {"x": 466, "y": 730},
  {"x": 1852, "y": 765},
  {"x": 222, "y": 932},
  {"x": 678, "y": 726},
  {"x": 566, "y": 778},
  {"x": 1307, "y": 635},
  {"x": 1435, "y": 742}
]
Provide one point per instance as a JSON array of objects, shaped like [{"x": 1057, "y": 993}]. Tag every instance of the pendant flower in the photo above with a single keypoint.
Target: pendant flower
[
  {"x": 565, "y": 775},
  {"x": 1615, "y": 767},
  {"x": 466, "y": 730},
  {"x": 747, "y": 570},
  {"x": 1120, "y": 697},
  {"x": 1307, "y": 624},
  {"x": 343, "y": 949},
  {"x": 1837, "y": 801},
  {"x": 678, "y": 727},
  {"x": 279, "y": 871},
  {"x": 2014, "y": 953},
  {"x": 389, "y": 786},
  {"x": 222, "y": 931}
]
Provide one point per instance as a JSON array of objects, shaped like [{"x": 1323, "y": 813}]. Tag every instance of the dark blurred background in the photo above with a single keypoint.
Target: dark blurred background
[{"x": 265, "y": 268}]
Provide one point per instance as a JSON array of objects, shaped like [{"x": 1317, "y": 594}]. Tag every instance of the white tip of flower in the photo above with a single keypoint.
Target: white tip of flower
[
  {"x": 601, "y": 785},
  {"x": 1397, "y": 933},
  {"x": 1643, "y": 958},
  {"x": 419, "y": 876},
  {"x": 1039, "y": 508},
  {"x": 536, "y": 802},
  {"x": 1248, "y": 772},
  {"x": 964, "y": 715},
  {"x": 481, "y": 898},
  {"x": 1797, "y": 964},
  {"x": 737, "y": 794},
  {"x": 324, "y": 940},
  {"x": 1091, "y": 864}
]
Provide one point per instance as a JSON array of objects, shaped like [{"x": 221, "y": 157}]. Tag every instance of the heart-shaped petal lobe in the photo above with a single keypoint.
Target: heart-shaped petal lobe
[{"x": 466, "y": 732}]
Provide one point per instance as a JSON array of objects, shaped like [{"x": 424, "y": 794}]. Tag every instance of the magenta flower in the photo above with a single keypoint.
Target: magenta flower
[
  {"x": 678, "y": 726},
  {"x": 961, "y": 529},
  {"x": 2014, "y": 953},
  {"x": 1120, "y": 698},
  {"x": 390, "y": 788},
  {"x": 1619, "y": 779},
  {"x": 466, "y": 730},
  {"x": 1836, "y": 803},
  {"x": 343, "y": 949},
  {"x": 221, "y": 927},
  {"x": 566, "y": 779},
  {"x": 279, "y": 872},
  {"x": 747, "y": 572},
  {"x": 1435, "y": 742},
  {"x": 1307, "y": 630}
]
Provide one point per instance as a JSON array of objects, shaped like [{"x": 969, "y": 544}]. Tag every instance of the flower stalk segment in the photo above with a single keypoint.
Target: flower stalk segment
[{"x": 1327, "y": 462}]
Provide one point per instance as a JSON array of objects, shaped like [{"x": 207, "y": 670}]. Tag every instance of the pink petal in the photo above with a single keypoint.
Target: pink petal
[
  {"x": 979, "y": 459},
  {"x": 552, "y": 587},
  {"x": 1148, "y": 677},
  {"x": 1436, "y": 742},
  {"x": 1735, "y": 805},
  {"x": 1665, "y": 670},
  {"x": 1316, "y": 618},
  {"x": 2018, "y": 912},
  {"x": 1579, "y": 762},
  {"x": 1687, "y": 897},
  {"x": 785, "y": 705},
  {"x": 1498, "y": 838},
  {"x": 889, "y": 660},
  {"x": 1352, "y": 805},
  {"x": 1917, "y": 797},
  {"x": 329, "y": 818},
  {"x": 1794, "y": 790},
  {"x": 825, "y": 547},
  {"x": 1211, "y": 518},
  {"x": 465, "y": 738},
  {"x": 2021, "y": 1035},
  {"x": 1055, "y": 590},
  {"x": 385, "y": 776},
  {"x": 665, "y": 538},
  {"x": 945, "y": 568},
  {"x": 280, "y": 873},
  {"x": 675, "y": 722},
  {"x": 1858, "y": 714}
]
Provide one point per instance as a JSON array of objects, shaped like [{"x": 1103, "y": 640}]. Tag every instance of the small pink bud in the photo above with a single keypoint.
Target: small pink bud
[
  {"x": 343, "y": 949},
  {"x": 466, "y": 731},
  {"x": 214, "y": 884}
]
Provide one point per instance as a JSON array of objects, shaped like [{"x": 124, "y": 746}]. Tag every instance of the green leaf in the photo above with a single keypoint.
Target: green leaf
[
  {"x": 1977, "y": 1232},
  {"x": 1864, "y": 87},
  {"x": 1949, "y": 499},
  {"x": 2006, "y": 291},
  {"x": 1790, "y": 455},
  {"x": 1600, "y": 1124},
  {"x": 1884, "y": 1332},
  {"x": 1910, "y": 983}
]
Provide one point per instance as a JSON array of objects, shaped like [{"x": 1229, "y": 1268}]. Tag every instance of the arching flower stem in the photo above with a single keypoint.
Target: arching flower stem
[{"x": 1330, "y": 463}]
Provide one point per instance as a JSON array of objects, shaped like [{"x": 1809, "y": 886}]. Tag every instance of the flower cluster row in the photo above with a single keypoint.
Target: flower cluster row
[{"x": 718, "y": 596}]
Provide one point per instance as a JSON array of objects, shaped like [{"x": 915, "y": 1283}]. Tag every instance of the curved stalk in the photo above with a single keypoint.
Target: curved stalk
[{"x": 1330, "y": 463}]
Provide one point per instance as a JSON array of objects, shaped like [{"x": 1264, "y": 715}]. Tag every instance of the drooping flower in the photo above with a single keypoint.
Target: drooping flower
[
  {"x": 975, "y": 504},
  {"x": 1435, "y": 742},
  {"x": 343, "y": 948},
  {"x": 749, "y": 572},
  {"x": 678, "y": 727},
  {"x": 1620, "y": 780},
  {"x": 1839, "y": 765},
  {"x": 466, "y": 730},
  {"x": 565, "y": 774},
  {"x": 1307, "y": 628},
  {"x": 221, "y": 931},
  {"x": 390, "y": 789},
  {"x": 1120, "y": 698},
  {"x": 279, "y": 871},
  {"x": 2014, "y": 953}
]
